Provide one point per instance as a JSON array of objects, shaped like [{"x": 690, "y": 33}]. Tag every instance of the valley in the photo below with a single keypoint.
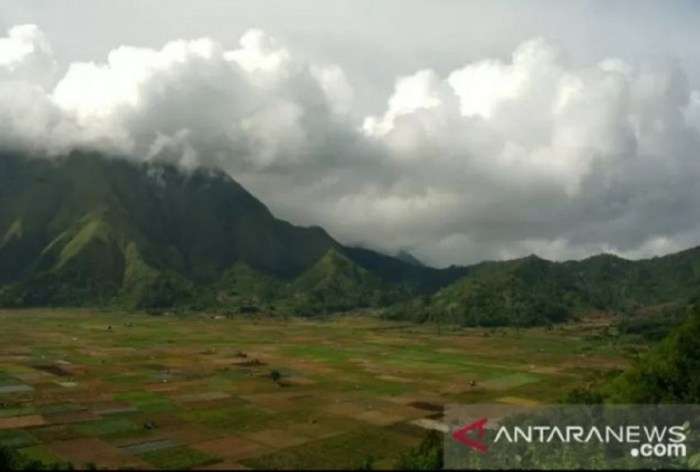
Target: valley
[
  {"x": 310, "y": 236},
  {"x": 208, "y": 392}
]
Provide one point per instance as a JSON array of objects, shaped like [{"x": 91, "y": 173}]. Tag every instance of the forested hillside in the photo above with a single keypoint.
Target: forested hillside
[{"x": 86, "y": 229}]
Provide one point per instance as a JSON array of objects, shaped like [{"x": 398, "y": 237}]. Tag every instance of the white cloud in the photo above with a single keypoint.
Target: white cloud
[
  {"x": 496, "y": 158},
  {"x": 336, "y": 86},
  {"x": 25, "y": 54},
  {"x": 260, "y": 54}
]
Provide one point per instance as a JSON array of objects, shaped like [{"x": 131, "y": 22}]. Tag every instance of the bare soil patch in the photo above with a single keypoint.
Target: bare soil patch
[
  {"x": 55, "y": 433},
  {"x": 379, "y": 418},
  {"x": 54, "y": 369},
  {"x": 192, "y": 433},
  {"x": 84, "y": 450},
  {"x": 434, "y": 407},
  {"x": 224, "y": 465},
  {"x": 233, "y": 447},
  {"x": 70, "y": 417},
  {"x": 278, "y": 438},
  {"x": 16, "y": 422},
  {"x": 201, "y": 397},
  {"x": 345, "y": 409}
]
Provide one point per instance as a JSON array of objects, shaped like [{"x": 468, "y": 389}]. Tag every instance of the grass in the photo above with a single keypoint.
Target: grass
[
  {"x": 60, "y": 408},
  {"x": 43, "y": 454},
  {"x": 20, "y": 411},
  {"x": 16, "y": 438},
  {"x": 346, "y": 451},
  {"x": 177, "y": 458},
  {"x": 147, "y": 402},
  {"x": 238, "y": 419},
  {"x": 7, "y": 379},
  {"x": 129, "y": 379},
  {"x": 108, "y": 427},
  {"x": 329, "y": 355},
  {"x": 386, "y": 388},
  {"x": 511, "y": 381}
]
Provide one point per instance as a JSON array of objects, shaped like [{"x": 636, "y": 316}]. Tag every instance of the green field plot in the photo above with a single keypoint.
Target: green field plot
[
  {"x": 510, "y": 381},
  {"x": 16, "y": 439},
  {"x": 322, "y": 353},
  {"x": 45, "y": 455},
  {"x": 346, "y": 451},
  {"x": 7, "y": 379},
  {"x": 17, "y": 411},
  {"x": 177, "y": 458},
  {"x": 385, "y": 388},
  {"x": 108, "y": 427},
  {"x": 238, "y": 418},
  {"x": 147, "y": 401}
]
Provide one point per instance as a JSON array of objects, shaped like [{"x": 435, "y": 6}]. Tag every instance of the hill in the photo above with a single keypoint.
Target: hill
[
  {"x": 532, "y": 291},
  {"x": 670, "y": 373},
  {"x": 86, "y": 229}
]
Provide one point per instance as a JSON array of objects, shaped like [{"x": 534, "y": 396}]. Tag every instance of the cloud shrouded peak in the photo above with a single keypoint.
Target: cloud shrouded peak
[{"x": 500, "y": 157}]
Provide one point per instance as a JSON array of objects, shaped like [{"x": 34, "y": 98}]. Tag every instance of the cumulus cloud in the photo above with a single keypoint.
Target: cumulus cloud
[
  {"x": 543, "y": 157},
  {"x": 190, "y": 98},
  {"x": 498, "y": 158},
  {"x": 25, "y": 54}
]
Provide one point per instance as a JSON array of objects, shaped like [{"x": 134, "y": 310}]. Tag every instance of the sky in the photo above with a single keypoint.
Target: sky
[{"x": 458, "y": 131}]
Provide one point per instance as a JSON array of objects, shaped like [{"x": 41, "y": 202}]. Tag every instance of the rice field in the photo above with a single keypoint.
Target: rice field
[{"x": 199, "y": 392}]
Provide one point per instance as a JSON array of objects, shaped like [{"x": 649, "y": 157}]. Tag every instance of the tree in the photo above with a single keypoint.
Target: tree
[
  {"x": 8, "y": 459},
  {"x": 670, "y": 373},
  {"x": 583, "y": 396},
  {"x": 428, "y": 456},
  {"x": 367, "y": 464},
  {"x": 276, "y": 376},
  {"x": 11, "y": 459}
]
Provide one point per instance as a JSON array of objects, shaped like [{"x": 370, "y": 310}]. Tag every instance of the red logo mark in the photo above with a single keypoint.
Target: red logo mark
[{"x": 461, "y": 435}]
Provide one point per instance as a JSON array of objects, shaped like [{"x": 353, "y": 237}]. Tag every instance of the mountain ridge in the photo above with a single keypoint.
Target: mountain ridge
[
  {"x": 85, "y": 228},
  {"x": 88, "y": 229}
]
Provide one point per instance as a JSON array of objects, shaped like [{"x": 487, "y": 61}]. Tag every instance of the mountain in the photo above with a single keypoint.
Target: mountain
[
  {"x": 87, "y": 229},
  {"x": 531, "y": 290},
  {"x": 336, "y": 283},
  {"x": 409, "y": 258}
]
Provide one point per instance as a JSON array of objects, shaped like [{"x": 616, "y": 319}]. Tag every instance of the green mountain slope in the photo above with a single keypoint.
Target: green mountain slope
[
  {"x": 531, "y": 290},
  {"x": 336, "y": 283},
  {"x": 85, "y": 229}
]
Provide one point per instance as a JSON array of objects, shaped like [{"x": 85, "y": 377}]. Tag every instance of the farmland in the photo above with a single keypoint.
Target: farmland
[{"x": 203, "y": 392}]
